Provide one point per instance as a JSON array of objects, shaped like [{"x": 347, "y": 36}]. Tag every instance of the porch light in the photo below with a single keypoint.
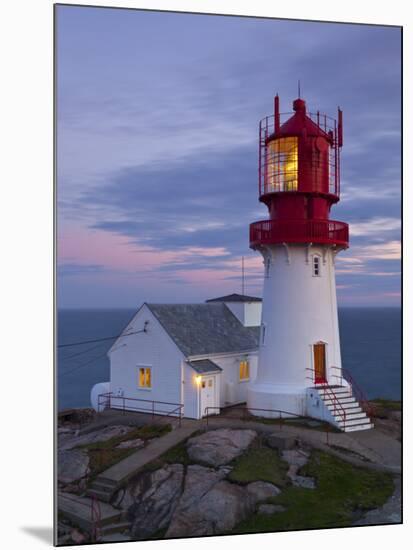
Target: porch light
[{"x": 198, "y": 380}]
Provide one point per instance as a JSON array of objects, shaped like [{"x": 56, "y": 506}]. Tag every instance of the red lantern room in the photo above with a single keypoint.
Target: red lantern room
[{"x": 299, "y": 178}]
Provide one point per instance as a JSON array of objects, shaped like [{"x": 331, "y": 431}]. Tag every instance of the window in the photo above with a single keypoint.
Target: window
[
  {"x": 244, "y": 370},
  {"x": 145, "y": 377},
  {"x": 282, "y": 164},
  {"x": 316, "y": 266}
]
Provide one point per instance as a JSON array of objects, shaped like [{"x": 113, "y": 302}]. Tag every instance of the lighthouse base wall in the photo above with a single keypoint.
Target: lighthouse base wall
[{"x": 275, "y": 401}]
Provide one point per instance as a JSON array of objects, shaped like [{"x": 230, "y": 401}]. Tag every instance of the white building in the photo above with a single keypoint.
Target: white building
[{"x": 198, "y": 355}]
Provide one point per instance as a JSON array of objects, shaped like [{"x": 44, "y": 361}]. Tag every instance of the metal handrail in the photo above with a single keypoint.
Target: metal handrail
[
  {"x": 280, "y": 418},
  {"x": 176, "y": 412},
  {"x": 272, "y": 231},
  {"x": 359, "y": 394},
  {"x": 336, "y": 402},
  {"x": 281, "y": 412},
  {"x": 95, "y": 517}
]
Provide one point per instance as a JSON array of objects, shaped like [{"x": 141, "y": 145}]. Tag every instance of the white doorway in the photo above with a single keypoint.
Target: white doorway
[{"x": 208, "y": 392}]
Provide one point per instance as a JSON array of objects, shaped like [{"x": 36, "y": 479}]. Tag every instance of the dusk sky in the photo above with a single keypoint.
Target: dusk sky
[{"x": 157, "y": 153}]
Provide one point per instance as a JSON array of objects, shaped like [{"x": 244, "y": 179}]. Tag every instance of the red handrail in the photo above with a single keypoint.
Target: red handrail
[
  {"x": 359, "y": 394},
  {"x": 336, "y": 402},
  {"x": 95, "y": 517},
  {"x": 281, "y": 412},
  {"x": 303, "y": 231}
]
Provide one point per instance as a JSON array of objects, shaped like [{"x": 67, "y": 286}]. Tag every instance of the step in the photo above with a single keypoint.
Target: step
[
  {"x": 349, "y": 417},
  {"x": 342, "y": 400},
  {"x": 119, "y": 527},
  {"x": 354, "y": 422},
  {"x": 359, "y": 428},
  {"x": 114, "y": 537},
  {"x": 100, "y": 495},
  {"x": 110, "y": 483},
  {"x": 103, "y": 486},
  {"x": 348, "y": 407},
  {"x": 336, "y": 390},
  {"x": 78, "y": 510}
]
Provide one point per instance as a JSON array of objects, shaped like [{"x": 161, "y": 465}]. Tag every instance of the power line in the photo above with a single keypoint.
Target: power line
[
  {"x": 102, "y": 339},
  {"x": 83, "y": 364},
  {"x": 79, "y": 353}
]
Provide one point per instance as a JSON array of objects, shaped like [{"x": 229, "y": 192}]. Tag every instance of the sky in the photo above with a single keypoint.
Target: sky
[{"x": 157, "y": 150}]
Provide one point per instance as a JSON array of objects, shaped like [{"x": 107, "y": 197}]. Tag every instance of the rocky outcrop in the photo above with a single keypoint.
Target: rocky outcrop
[
  {"x": 72, "y": 465},
  {"x": 198, "y": 481},
  {"x": 217, "y": 511},
  {"x": 154, "y": 507},
  {"x": 296, "y": 460},
  {"x": 71, "y": 440},
  {"x": 218, "y": 447},
  {"x": 261, "y": 490}
]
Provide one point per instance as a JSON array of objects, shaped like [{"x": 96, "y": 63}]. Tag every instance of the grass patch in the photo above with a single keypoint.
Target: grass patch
[
  {"x": 177, "y": 454},
  {"x": 259, "y": 464},
  {"x": 147, "y": 432},
  {"x": 342, "y": 492},
  {"x": 382, "y": 408},
  {"x": 389, "y": 404}
]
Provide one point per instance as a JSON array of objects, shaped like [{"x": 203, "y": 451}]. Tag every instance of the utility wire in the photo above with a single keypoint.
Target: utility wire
[
  {"x": 101, "y": 339},
  {"x": 79, "y": 353},
  {"x": 83, "y": 364}
]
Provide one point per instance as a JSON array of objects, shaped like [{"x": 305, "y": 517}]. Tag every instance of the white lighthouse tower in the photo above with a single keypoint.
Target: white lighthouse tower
[{"x": 299, "y": 368}]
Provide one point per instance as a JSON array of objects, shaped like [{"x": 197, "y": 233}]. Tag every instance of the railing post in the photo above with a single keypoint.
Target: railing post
[
  {"x": 123, "y": 400},
  {"x": 153, "y": 410},
  {"x": 280, "y": 421}
]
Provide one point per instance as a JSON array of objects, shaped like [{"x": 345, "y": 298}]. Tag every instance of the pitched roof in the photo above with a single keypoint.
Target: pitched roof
[
  {"x": 204, "y": 365},
  {"x": 235, "y": 298},
  {"x": 203, "y": 329}
]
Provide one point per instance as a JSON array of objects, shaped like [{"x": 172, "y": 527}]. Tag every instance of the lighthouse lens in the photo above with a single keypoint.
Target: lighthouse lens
[{"x": 282, "y": 165}]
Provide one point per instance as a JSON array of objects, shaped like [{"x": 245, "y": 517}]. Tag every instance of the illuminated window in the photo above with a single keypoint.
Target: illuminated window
[
  {"x": 244, "y": 370},
  {"x": 282, "y": 165},
  {"x": 145, "y": 377},
  {"x": 316, "y": 266}
]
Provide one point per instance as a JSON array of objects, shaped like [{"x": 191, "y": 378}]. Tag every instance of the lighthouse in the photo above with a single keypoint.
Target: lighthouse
[{"x": 299, "y": 365}]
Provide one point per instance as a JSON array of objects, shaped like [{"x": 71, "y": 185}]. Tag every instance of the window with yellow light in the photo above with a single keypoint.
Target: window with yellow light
[
  {"x": 282, "y": 164},
  {"x": 145, "y": 377},
  {"x": 244, "y": 370}
]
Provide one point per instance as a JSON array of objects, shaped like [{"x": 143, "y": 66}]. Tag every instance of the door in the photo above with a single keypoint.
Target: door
[
  {"x": 320, "y": 363},
  {"x": 208, "y": 396}
]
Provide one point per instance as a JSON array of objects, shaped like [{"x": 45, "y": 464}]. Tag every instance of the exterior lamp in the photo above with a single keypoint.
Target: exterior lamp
[{"x": 198, "y": 380}]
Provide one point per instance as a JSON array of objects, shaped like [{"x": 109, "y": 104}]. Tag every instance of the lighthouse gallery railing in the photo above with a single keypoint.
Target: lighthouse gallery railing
[{"x": 300, "y": 231}]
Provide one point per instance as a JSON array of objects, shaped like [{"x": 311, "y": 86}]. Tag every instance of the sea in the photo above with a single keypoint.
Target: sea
[{"x": 370, "y": 348}]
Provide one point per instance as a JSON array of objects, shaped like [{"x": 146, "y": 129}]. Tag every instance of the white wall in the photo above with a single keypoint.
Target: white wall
[
  {"x": 191, "y": 392},
  {"x": 154, "y": 349},
  {"x": 248, "y": 313},
  {"x": 299, "y": 310},
  {"x": 231, "y": 389}
]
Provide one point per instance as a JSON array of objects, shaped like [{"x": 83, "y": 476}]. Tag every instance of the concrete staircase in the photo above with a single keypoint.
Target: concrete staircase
[
  {"x": 78, "y": 510},
  {"x": 102, "y": 488},
  {"x": 346, "y": 411}
]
